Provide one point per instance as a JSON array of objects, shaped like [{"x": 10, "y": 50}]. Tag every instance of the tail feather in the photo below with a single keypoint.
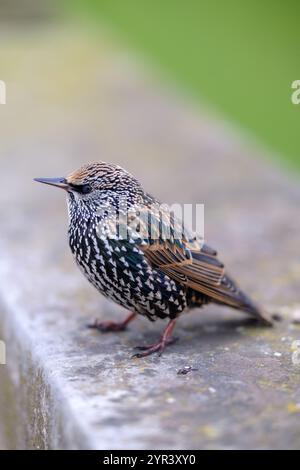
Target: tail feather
[
  {"x": 236, "y": 298},
  {"x": 228, "y": 293}
]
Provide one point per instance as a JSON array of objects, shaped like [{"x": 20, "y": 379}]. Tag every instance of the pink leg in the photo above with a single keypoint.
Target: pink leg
[
  {"x": 109, "y": 326},
  {"x": 159, "y": 347}
]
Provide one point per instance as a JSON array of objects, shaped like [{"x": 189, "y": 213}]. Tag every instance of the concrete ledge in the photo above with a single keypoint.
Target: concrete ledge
[{"x": 65, "y": 386}]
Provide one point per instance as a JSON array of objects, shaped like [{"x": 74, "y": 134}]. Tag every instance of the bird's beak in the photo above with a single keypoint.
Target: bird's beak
[{"x": 58, "y": 182}]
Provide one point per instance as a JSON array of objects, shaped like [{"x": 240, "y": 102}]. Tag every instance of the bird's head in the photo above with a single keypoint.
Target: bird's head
[{"x": 96, "y": 182}]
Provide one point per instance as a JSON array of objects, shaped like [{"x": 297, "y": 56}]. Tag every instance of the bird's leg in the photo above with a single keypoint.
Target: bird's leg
[
  {"x": 159, "y": 347},
  {"x": 108, "y": 326}
]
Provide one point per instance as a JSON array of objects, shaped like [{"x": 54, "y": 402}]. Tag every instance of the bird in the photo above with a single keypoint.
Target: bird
[{"x": 134, "y": 252}]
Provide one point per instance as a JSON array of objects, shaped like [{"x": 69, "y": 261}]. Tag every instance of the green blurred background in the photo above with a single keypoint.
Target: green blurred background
[
  {"x": 238, "y": 57},
  {"x": 74, "y": 95}
]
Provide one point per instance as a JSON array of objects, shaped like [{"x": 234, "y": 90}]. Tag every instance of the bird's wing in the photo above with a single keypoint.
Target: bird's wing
[
  {"x": 180, "y": 254},
  {"x": 198, "y": 269},
  {"x": 187, "y": 260}
]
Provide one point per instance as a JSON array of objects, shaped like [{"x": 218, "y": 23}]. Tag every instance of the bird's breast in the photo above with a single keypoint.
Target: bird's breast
[{"x": 120, "y": 271}]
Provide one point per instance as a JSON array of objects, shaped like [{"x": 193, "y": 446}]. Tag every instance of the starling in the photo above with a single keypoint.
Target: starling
[{"x": 135, "y": 252}]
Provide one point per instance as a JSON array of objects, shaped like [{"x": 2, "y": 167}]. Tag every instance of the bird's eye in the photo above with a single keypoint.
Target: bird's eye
[
  {"x": 81, "y": 188},
  {"x": 85, "y": 189}
]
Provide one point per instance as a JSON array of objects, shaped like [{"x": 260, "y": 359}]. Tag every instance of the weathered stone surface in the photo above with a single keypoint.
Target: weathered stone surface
[{"x": 71, "y": 100}]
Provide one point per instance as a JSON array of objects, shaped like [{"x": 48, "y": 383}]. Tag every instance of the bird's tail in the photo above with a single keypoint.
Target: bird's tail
[
  {"x": 228, "y": 293},
  {"x": 236, "y": 298}
]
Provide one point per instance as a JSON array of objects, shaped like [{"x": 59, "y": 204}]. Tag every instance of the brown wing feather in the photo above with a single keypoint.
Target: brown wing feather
[
  {"x": 202, "y": 272},
  {"x": 196, "y": 265},
  {"x": 184, "y": 259},
  {"x": 199, "y": 269}
]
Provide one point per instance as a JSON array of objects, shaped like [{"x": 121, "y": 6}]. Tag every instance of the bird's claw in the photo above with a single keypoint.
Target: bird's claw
[
  {"x": 107, "y": 326},
  {"x": 156, "y": 347}
]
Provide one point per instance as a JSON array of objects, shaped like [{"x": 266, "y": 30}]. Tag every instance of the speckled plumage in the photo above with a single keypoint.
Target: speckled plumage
[
  {"x": 118, "y": 267},
  {"x": 140, "y": 269}
]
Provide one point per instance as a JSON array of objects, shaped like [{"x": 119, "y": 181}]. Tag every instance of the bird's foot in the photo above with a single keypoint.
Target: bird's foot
[
  {"x": 111, "y": 326},
  {"x": 155, "y": 347},
  {"x": 107, "y": 326},
  {"x": 160, "y": 346}
]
